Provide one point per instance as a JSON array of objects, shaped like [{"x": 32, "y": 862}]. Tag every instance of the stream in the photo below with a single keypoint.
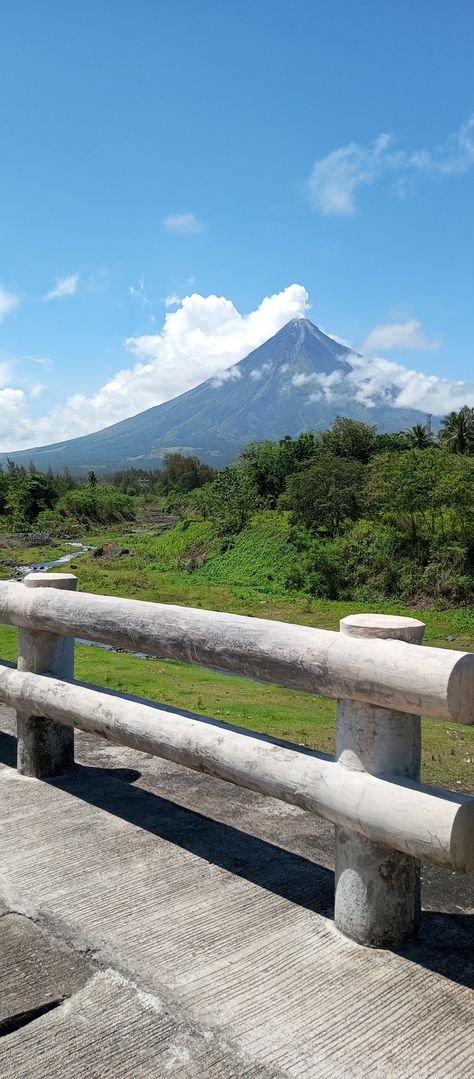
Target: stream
[
  {"x": 39, "y": 567},
  {"x": 79, "y": 550}
]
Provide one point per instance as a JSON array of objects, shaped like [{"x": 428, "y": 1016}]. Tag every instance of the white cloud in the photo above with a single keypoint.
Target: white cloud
[
  {"x": 203, "y": 339},
  {"x": 64, "y": 286},
  {"x": 8, "y": 302},
  {"x": 36, "y": 390},
  {"x": 185, "y": 224},
  {"x": 335, "y": 179},
  {"x": 324, "y": 385},
  {"x": 376, "y": 380},
  {"x": 403, "y": 335},
  {"x": 232, "y": 374},
  {"x": 172, "y": 300},
  {"x": 258, "y": 372}
]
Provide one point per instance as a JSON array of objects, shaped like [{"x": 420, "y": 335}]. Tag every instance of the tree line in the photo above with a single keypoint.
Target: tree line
[{"x": 389, "y": 515}]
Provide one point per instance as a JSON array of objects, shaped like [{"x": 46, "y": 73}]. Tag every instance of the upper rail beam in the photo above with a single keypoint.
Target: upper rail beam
[{"x": 391, "y": 674}]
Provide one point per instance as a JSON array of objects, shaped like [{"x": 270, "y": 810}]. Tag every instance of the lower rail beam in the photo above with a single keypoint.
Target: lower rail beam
[{"x": 434, "y": 825}]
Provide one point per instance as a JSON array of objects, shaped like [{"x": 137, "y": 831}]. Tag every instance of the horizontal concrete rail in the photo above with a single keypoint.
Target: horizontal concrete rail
[
  {"x": 435, "y": 825},
  {"x": 386, "y": 673}
]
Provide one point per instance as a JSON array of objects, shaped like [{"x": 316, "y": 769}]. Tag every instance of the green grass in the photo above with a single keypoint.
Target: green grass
[
  {"x": 261, "y": 556},
  {"x": 151, "y": 572},
  {"x": 26, "y": 556}
]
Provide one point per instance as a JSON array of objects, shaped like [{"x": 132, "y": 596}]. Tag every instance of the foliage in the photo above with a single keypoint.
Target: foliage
[
  {"x": 269, "y": 464},
  {"x": 28, "y": 496},
  {"x": 457, "y": 431},
  {"x": 325, "y": 493},
  {"x": 100, "y": 505},
  {"x": 343, "y": 513},
  {"x": 231, "y": 499},
  {"x": 419, "y": 437},
  {"x": 350, "y": 439}
]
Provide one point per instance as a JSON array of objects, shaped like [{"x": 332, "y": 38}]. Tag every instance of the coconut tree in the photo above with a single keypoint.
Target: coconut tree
[
  {"x": 418, "y": 437},
  {"x": 457, "y": 431}
]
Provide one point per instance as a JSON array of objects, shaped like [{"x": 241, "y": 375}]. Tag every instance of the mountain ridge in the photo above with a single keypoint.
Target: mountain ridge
[{"x": 299, "y": 379}]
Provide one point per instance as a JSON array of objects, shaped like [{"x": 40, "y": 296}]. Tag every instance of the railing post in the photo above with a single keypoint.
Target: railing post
[
  {"x": 45, "y": 748},
  {"x": 377, "y": 899}
]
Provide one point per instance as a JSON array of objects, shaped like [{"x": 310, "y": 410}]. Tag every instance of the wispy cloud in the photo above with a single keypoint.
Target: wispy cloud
[
  {"x": 8, "y": 302},
  {"x": 335, "y": 179},
  {"x": 258, "y": 372},
  {"x": 36, "y": 390},
  {"x": 64, "y": 286},
  {"x": 139, "y": 292},
  {"x": 185, "y": 224},
  {"x": 232, "y": 374},
  {"x": 42, "y": 361},
  {"x": 172, "y": 300},
  {"x": 403, "y": 335}
]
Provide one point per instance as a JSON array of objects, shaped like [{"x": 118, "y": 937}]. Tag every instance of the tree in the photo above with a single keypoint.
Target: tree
[
  {"x": 92, "y": 478},
  {"x": 266, "y": 464},
  {"x": 184, "y": 473},
  {"x": 400, "y": 488},
  {"x": 29, "y": 495},
  {"x": 350, "y": 439},
  {"x": 392, "y": 443},
  {"x": 455, "y": 497},
  {"x": 325, "y": 493},
  {"x": 418, "y": 437},
  {"x": 232, "y": 498},
  {"x": 457, "y": 431}
]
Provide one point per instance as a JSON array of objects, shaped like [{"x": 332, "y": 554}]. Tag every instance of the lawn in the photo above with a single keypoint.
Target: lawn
[{"x": 153, "y": 571}]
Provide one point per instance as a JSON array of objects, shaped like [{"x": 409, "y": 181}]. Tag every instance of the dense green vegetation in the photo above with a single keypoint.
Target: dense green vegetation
[
  {"x": 347, "y": 514},
  {"x": 305, "y": 530}
]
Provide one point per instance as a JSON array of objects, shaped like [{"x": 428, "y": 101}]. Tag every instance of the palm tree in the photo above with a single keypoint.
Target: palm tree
[
  {"x": 418, "y": 437},
  {"x": 457, "y": 432}
]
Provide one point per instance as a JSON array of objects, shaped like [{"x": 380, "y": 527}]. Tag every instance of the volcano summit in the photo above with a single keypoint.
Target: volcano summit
[{"x": 300, "y": 379}]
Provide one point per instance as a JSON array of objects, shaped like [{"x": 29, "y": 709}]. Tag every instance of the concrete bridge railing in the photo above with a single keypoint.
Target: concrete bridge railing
[{"x": 386, "y": 820}]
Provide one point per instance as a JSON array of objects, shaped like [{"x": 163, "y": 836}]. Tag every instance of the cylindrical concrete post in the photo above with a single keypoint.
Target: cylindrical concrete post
[
  {"x": 45, "y": 748},
  {"x": 377, "y": 899}
]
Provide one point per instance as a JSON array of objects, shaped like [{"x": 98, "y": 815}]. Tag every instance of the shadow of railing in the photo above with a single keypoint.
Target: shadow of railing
[{"x": 445, "y": 942}]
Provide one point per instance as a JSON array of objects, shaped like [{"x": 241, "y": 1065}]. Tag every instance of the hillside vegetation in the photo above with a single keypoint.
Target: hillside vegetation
[
  {"x": 306, "y": 530},
  {"x": 345, "y": 514}
]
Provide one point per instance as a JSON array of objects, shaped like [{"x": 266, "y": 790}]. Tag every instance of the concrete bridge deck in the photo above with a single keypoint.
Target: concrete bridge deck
[{"x": 156, "y": 922}]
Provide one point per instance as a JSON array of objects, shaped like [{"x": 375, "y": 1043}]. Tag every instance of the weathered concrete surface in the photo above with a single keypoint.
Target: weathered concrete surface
[
  {"x": 216, "y": 902},
  {"x": 112, "y": 1030},
  {"x": 35, "y": 969}
]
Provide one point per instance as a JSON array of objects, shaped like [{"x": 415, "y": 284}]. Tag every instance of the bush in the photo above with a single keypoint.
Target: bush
[{"x": 97, "y": 505}]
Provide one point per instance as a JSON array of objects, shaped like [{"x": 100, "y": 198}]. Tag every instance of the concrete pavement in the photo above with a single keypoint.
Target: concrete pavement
[{"x": 187, "y": 930}]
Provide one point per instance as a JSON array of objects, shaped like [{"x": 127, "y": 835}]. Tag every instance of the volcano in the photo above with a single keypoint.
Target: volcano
[{"x": 298, "y": 380}]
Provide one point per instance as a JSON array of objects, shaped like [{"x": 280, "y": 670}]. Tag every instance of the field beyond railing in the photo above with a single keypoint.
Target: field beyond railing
[{"x": 385, "y": 818}]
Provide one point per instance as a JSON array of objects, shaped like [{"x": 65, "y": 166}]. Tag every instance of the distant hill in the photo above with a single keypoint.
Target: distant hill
[{"x": 298, "y": 380}]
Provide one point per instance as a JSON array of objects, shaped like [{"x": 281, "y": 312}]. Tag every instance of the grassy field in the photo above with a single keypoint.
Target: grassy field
[{"x": 153, "y": 570}]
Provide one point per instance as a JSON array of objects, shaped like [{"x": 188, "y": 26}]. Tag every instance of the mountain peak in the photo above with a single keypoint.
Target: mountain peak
[{"x": 299, "y": 379}]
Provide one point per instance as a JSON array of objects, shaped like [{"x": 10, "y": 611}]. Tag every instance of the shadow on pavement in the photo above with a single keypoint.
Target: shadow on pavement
[{"x": 445, "y": 942}]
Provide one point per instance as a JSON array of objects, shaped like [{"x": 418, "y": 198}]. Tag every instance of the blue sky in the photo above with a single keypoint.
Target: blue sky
[{"x": 156, "y": 151}]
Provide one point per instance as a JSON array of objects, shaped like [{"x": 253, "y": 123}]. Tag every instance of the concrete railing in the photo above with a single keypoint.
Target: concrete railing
[{"x": 386, "y": 820}]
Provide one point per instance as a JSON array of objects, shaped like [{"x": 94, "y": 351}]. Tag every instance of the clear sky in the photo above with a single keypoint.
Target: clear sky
[{"x": 319, "y": 152}]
